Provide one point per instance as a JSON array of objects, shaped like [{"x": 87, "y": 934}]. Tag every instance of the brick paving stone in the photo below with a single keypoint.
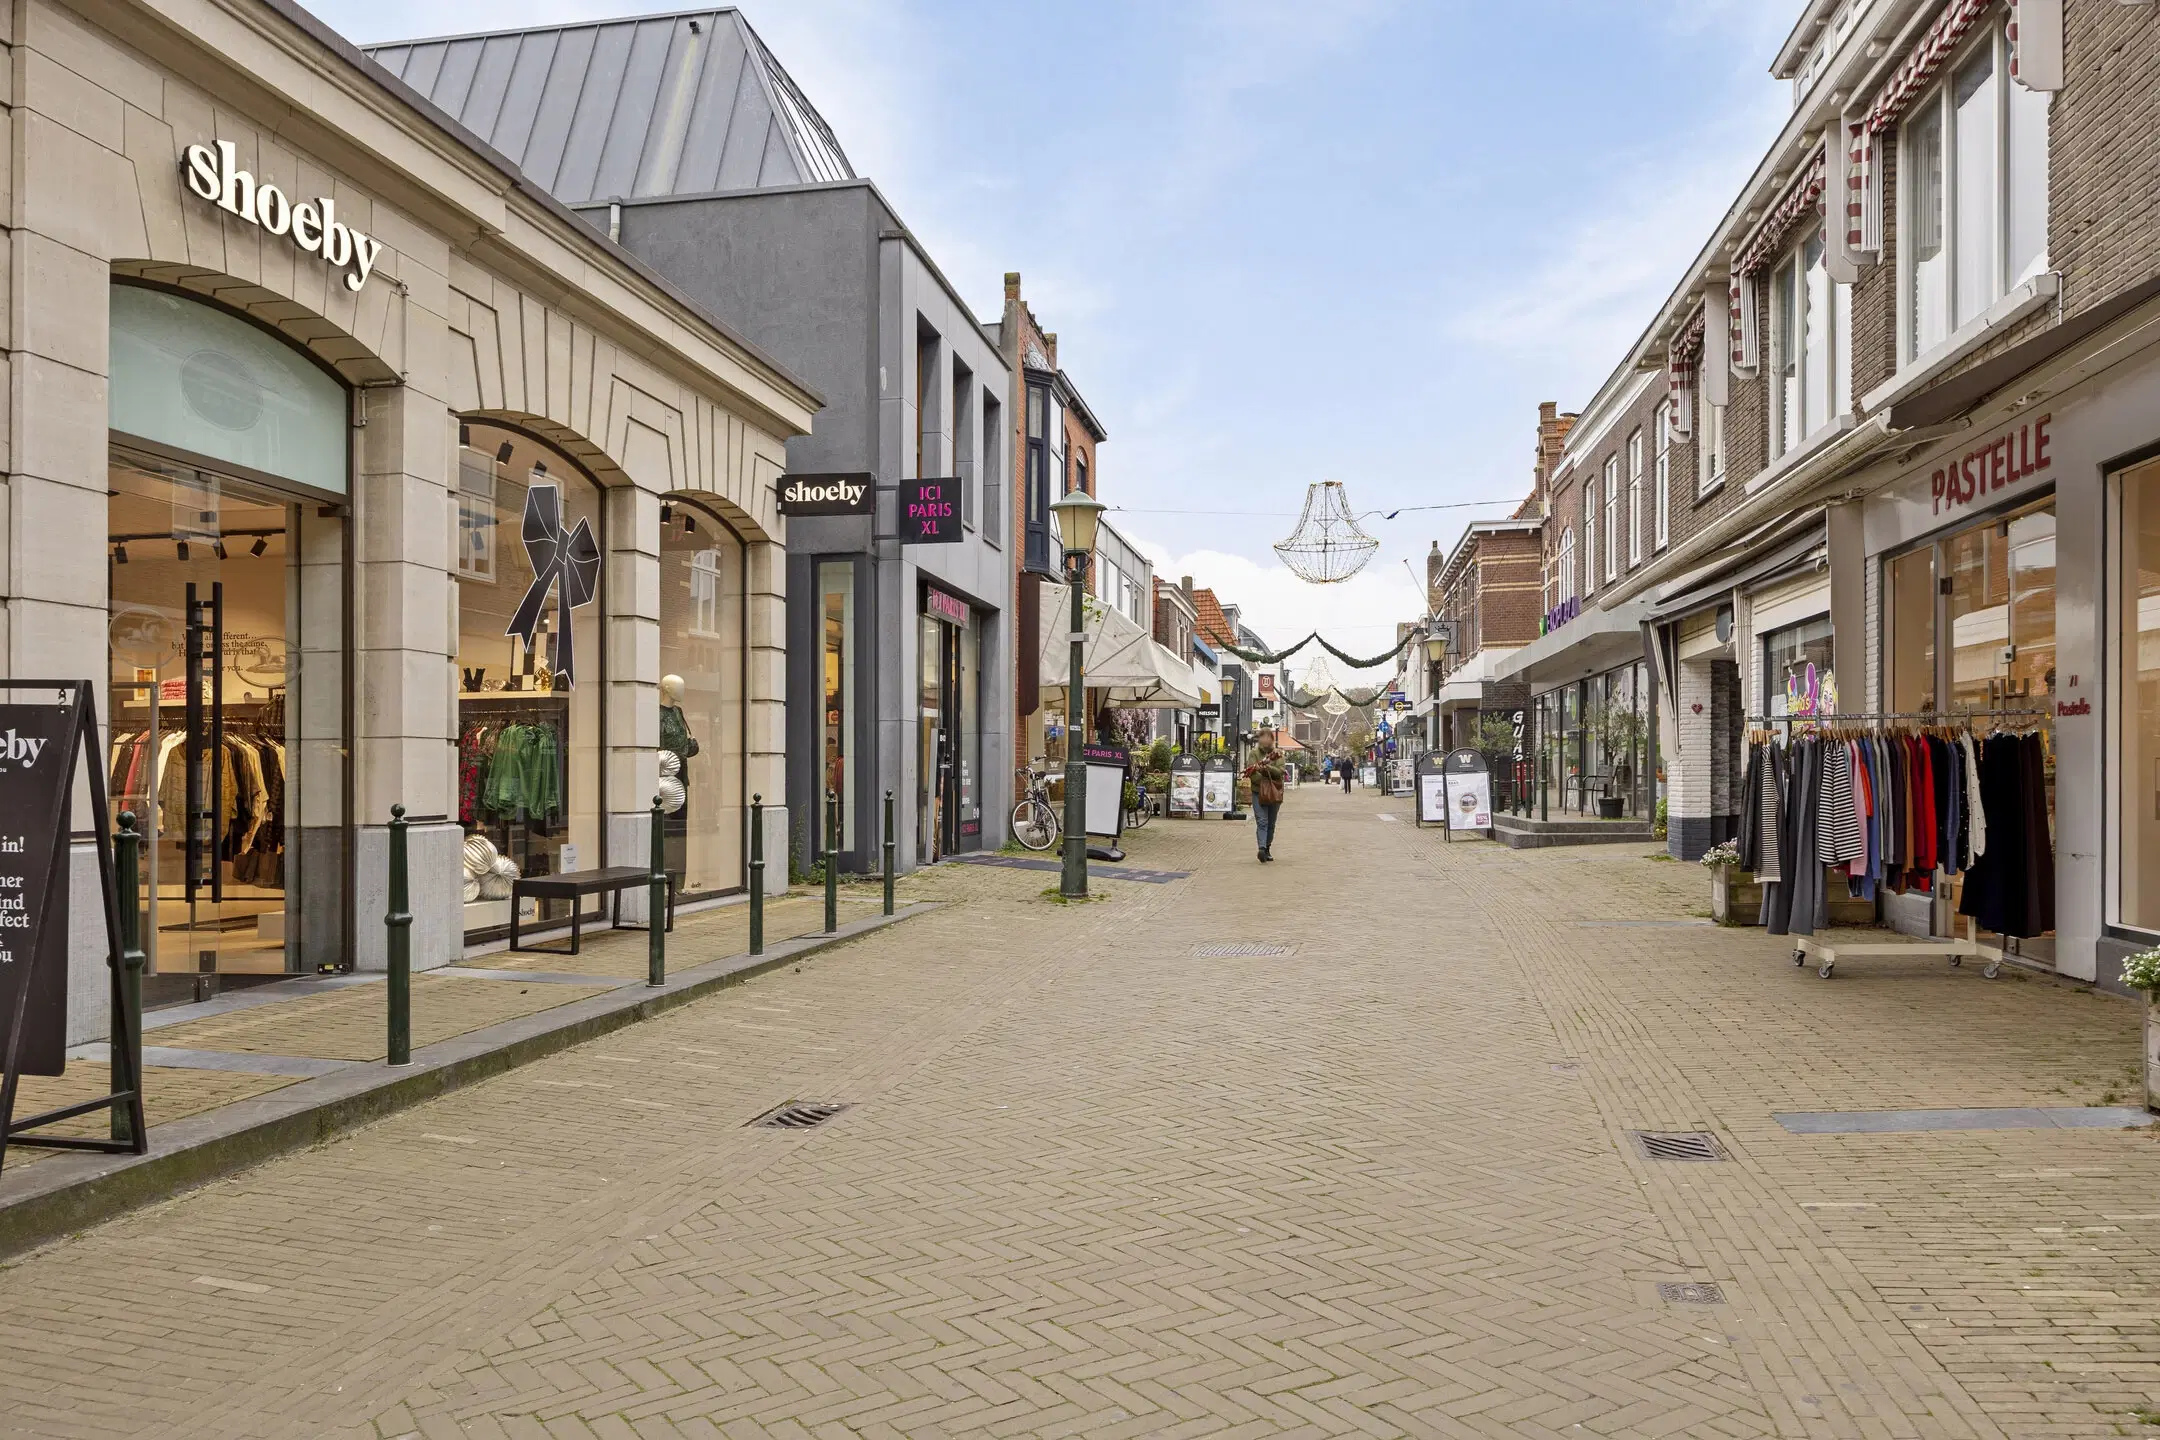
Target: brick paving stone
[
  {"x": 169, "y": 1094},
  {"x": 1094, "y": 1184},
  {"x": 348, "y": 1023}
]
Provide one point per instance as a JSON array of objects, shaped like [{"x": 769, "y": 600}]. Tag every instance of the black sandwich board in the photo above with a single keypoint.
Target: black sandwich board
[
  {"x": 47, "y": 729},
  {"x": 1429, "y": 785},
  {"x": 1184, "y": 797}
]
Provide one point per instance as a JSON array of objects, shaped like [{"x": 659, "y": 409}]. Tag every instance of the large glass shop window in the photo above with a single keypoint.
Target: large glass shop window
[
  {"x": 2137, "y": 702},
  {"x": 527, "y": 552},
  {"x": 701, "y": 696},
  {"x": 226, "y": 636},
  {"x": 227, "y": 694},
  {"x": 1796, "y": 662}
]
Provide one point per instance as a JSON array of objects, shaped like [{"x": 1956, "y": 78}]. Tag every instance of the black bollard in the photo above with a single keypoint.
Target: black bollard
[
  {"x": 656, "y": 903},
  {"x": 832, "y": 863},
  {"x": 757, "y": 874},
  {"x": 127, "y": 1027},
  {"x": 398, "y": 925},
  {"x": 888, "y": 852}
]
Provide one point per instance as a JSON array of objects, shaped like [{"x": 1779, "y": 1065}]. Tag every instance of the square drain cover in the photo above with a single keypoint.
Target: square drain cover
[
  {"x": 798, "y": 1115},
  {"x": 1241, "y": 949},
  {"x": 1689, "y": 1292},
  {"x": 1677, "y": 1145}
]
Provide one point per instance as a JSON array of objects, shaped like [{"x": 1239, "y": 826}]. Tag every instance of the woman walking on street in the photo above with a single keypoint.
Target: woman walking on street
[
  {"x": 1348, "y": 770},
  {"x": 1266, "y": 775}
]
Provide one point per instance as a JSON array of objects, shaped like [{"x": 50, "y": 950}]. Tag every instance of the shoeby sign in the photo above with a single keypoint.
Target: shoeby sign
[
  {"x": 214, "y": 173},
  {"x": 827, "y": 494}
]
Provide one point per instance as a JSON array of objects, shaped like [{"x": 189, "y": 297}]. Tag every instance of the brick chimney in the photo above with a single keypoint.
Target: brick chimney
[{"x": 1012, "y": 285}]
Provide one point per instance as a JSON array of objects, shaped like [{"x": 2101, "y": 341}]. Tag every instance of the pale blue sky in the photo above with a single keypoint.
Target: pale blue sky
[{"x": 1280, "y": 243}]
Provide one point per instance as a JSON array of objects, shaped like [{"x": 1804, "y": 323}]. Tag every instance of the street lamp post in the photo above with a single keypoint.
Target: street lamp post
[{"x": 1077, "y": 515}]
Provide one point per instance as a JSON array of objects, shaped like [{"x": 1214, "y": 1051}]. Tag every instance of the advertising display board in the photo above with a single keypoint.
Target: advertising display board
[
  {"x": 1469, "y": 791},
  {"x": 1369, "y": 776},
  {"x": 1432, "y": 788},
  {"x": 1218, "y": 787},
  {"x": 1185, "y": 787},
  {"x": 1107, "y": 767},
  {"x": 47, "y": 730},
  {"x": 929, "y": 512}
]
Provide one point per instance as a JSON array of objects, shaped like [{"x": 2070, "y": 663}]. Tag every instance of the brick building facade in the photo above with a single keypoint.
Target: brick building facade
[{"x": 1904, "y": 396}]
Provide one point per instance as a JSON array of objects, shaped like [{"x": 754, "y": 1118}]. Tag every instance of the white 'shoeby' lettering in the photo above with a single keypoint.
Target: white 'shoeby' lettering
[{"x": 216, "y": 176}]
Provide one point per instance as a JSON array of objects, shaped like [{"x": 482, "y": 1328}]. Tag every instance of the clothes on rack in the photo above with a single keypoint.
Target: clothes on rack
[
  {"x": 511, "y": 771},
  {"x": 1892, "y": 808},
  {"x": 250, "y": 794}
]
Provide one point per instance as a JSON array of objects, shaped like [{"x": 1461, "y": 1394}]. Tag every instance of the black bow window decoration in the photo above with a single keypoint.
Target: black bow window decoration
[{"x": 572, "y": 558}]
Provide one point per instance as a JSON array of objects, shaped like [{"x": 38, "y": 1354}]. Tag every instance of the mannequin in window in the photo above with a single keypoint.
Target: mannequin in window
[{"x": 674, "y": 730}]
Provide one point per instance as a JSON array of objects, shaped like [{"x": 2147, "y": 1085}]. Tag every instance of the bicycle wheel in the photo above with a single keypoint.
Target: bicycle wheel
[
  {"x": 1138, "y": 816},
  {"x": 1034, "y": 825}
]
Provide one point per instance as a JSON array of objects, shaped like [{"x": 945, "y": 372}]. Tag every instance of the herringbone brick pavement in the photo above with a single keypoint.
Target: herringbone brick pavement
[{"x": 1094, "y": 1182}]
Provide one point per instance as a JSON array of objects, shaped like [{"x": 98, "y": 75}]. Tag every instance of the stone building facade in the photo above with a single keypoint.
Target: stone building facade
[{"x": 293, "y": 359}]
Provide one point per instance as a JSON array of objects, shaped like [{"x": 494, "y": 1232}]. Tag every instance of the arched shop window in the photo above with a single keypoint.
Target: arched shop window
[
  {"x": 702, "y": 679},
  {"x": 226, "y": 587},
  {"x": 529, "y": 695}
]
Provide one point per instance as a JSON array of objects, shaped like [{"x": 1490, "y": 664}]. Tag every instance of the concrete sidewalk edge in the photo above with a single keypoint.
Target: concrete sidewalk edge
[{"x": 74, "y": 1191}]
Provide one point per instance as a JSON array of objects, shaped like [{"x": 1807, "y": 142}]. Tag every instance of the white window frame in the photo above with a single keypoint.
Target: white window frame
[
  {"x": 1661, "y": 427},
  {"x": 1589, "y": 535},
  {"x": 1612, "y": 518},
  {"x": 1709, "y": 449},
  {"x": 1564, "y": 590},
  {"x": 1911, "y": 346},
  {"x": 1791, "y": 275},
  {"x": 1634, "y": 497}
]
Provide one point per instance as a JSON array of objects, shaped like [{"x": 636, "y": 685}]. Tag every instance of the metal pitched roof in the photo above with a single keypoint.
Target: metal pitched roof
[{"x": 680, "y": 104}]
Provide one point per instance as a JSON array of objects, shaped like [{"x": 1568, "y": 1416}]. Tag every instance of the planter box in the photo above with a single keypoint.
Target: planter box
[
  {"x": 1735, "y": 898},
  {"x": 2152, "y": 1055},
  {"x": 1611, "y": 807}
]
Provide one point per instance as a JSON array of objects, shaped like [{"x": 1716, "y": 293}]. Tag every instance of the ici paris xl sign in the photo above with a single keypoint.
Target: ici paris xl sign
[{"x": 215, "y": 174}]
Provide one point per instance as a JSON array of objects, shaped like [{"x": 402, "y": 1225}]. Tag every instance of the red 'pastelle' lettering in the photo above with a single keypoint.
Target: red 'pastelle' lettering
[{"x": 2003, "y": 461}]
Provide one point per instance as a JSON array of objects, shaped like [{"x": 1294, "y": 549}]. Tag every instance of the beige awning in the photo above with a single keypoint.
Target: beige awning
[{"x": 1119, "y": 657}]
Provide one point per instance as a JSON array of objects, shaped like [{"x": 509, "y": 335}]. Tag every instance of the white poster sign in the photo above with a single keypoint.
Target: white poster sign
[
  {"x": 1105, "y": 800},
  {"x": 1184, "y": 792},
  {"x": 1369, "y": 777},
  {"x": 1219, "y": 788},
  {"x": 1432, "y": 798},
  {"x": 1469, "y": 801}
]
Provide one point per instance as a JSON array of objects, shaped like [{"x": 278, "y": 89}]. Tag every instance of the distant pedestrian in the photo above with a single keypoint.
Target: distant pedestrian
[
  {"x": 1266, "y": 775},
  {"x": 1349, "y": 772}
]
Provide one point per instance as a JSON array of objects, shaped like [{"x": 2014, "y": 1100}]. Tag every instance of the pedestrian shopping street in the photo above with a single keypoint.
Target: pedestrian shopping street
[{"x": 1333, "y": 1146}]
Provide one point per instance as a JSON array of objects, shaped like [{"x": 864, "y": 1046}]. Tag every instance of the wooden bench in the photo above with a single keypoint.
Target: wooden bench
[{"x": 574, "y": 887}]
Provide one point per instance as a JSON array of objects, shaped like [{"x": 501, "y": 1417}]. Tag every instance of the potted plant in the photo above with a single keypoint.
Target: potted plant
[
  {"x": 2142, "y": 972},
  {"x": 1735, "y": 898},
  {"x": 1624, "y": 730}
]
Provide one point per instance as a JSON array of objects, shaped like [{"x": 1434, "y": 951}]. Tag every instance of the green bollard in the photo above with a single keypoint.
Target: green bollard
[
  {"x": 888, "y": 852},
  {"x": 398, "y": 924},
  {"x": 832, "y": 862},
  {"x": 757, "y": 874},
  {"x": 656, "y": 903},
  {"x": 127, "y": 1057}
]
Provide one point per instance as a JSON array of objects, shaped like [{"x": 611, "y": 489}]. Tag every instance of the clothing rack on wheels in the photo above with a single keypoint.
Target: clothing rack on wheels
[{"x": 1904, "y": 801}]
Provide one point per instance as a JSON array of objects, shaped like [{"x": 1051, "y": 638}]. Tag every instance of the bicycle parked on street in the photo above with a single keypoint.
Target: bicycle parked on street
[{"x": 1035, "y": 821}]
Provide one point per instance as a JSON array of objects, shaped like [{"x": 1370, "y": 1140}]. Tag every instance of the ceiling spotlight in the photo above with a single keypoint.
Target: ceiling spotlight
[
  {"x": 180, "y": 549},
  {"x": 689, "y": 525},
  {"x": 262, "y": 543},
  {"x": 218, "y": 546},
  {"x": 502, "y": 456},
  {"x": 667, "y": 513},
  {"x": 119, "y": 554}
]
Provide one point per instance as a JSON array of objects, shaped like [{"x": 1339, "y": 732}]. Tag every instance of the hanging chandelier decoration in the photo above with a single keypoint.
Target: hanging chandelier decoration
[{"x": 1327, "y": 547}]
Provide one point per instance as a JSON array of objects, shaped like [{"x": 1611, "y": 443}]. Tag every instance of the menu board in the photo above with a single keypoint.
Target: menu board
[
  {"x": 37, "y": 751},
  {"x": 1185, "y": 793},
  {"x": 1218, "y": 791}
]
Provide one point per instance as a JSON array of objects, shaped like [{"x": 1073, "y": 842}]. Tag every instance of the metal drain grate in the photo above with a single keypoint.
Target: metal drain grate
[
  {"x": 1241, "y": 949},
  {"x": 798, "y": 1115},
  {"x": 1689, "y": 1292},
  {"x": 1677, "y": 1145}
]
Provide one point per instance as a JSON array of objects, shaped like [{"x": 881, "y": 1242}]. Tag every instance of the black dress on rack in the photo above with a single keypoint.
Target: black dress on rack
[{"x": 2011, "y": 886}]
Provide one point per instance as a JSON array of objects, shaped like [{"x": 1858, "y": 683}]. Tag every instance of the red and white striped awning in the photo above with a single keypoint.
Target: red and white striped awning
[
  {"x": 1802, "y": 200},
  {"x": 1913, "y": 75}
]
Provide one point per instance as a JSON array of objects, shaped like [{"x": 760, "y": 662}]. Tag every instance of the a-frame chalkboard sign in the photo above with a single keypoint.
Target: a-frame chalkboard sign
[{"x": 47, "y": 729}]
